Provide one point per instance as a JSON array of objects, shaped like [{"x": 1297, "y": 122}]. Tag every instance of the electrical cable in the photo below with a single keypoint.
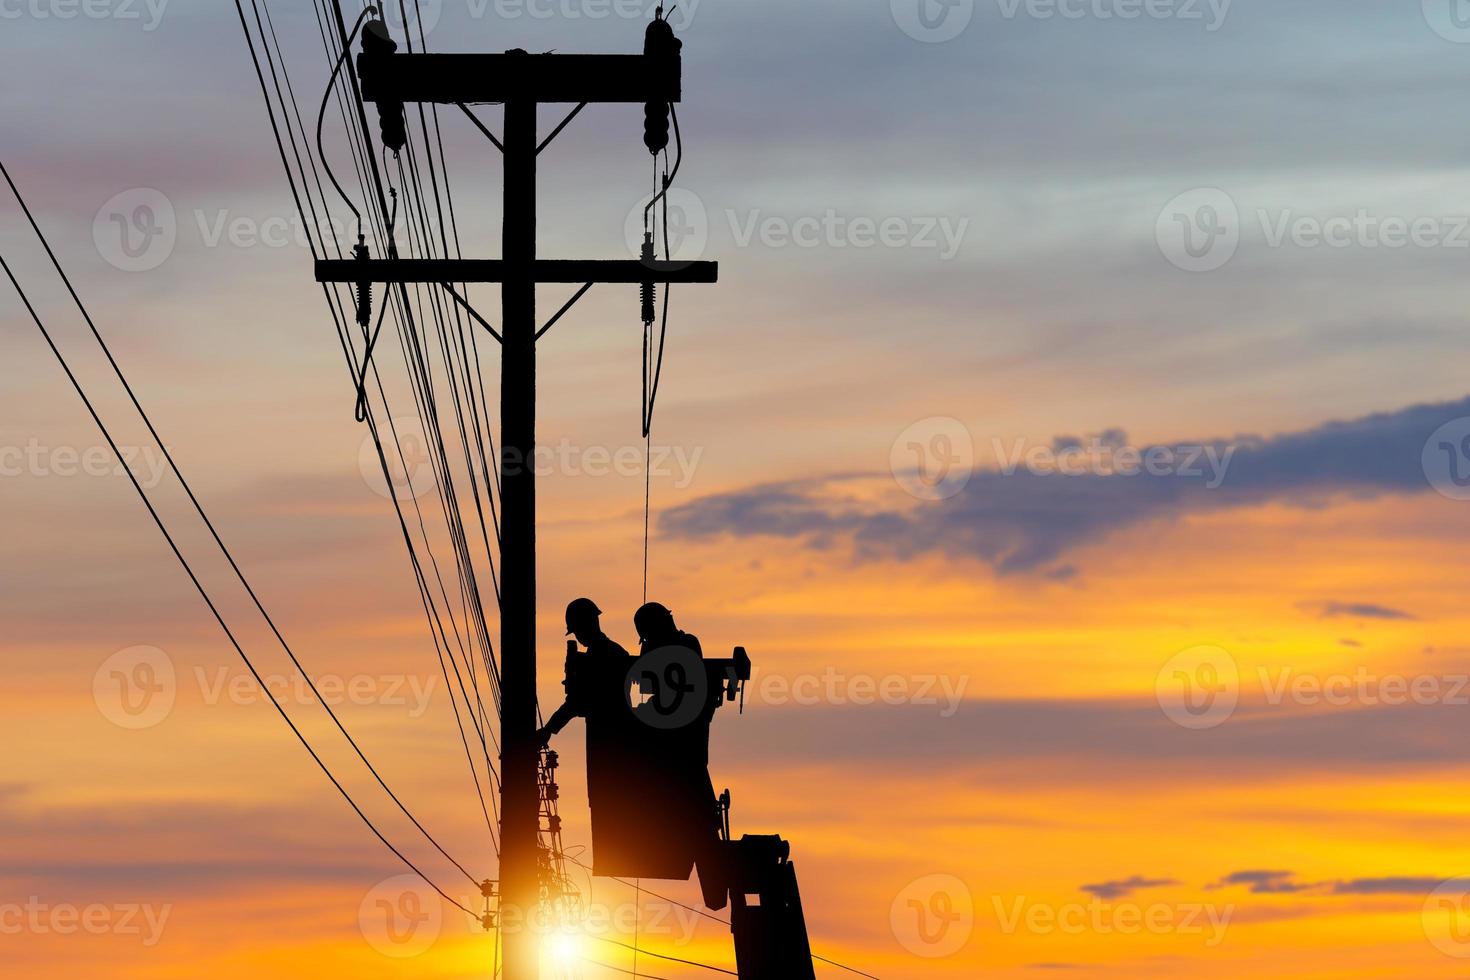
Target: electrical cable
[
  {"x": 618, "y": 969},
  {"x": 188, "y": 569},
  {"x": 661, "y": 956},
  {"x": 709, "y": 915},
  {"x": 322, "y": 115},
  {"x": 209, "y": 524}
]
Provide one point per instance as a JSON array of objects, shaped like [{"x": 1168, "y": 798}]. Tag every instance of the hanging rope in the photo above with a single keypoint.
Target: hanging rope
[{"x": 653, "y": 364}]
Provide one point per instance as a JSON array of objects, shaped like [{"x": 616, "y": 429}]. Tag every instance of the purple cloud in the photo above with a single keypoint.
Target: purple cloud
[
  {"x": 1023, "y": 521},
  {"x": 1108, "y": 890}
]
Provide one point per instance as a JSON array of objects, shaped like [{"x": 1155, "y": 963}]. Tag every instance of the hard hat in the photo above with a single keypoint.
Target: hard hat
[
  {"x": 648, "y": 614},
  {"x": 578, "y": 610}
]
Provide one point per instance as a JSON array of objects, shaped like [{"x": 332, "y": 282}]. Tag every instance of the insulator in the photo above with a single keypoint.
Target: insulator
[
  {"x": 656, "y": 126},
  {"x": 658, "y": 42},
  {"x": 364, "y": 288},
  {"x": 487, "y": 888},
  {"x": 659, "y": 39},
  {"x": 376, "y": 40},
  {"x": 364, "y": 303},
  {"x": 488, "y": 921},
  {"x": 646, "y": 291}
]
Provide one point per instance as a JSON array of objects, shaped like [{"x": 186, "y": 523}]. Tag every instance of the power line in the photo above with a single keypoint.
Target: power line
[
  {"x": 213, "y": 531},
  {"x": 355, "y": 130},
  {"x": 712, "y": 917},
  {"x": 662, "y": 956},
  {"x": 841, "y": 966},
  {"x": 618, "y": 969},
  {"x": 189, "y": 570},
  {"x": 465, "y": 398}
]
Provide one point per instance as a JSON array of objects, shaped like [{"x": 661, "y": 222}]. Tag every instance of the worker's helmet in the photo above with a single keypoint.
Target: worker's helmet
[
  {"x": 651, "y": 619},
  {"x": 580, "y": 611}
]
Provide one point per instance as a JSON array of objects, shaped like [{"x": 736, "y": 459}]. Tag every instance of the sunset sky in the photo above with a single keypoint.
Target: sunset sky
[{"x": 1179, "y": 722}]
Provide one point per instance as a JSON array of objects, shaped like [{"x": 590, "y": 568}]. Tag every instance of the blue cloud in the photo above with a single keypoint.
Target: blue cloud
[{"x": 1024, "y": 521}]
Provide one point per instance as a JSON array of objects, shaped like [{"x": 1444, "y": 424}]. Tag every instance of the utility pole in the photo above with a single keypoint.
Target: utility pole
[
  {"x": 519, "y": 806},
  {"x": 522, "y": 82}
]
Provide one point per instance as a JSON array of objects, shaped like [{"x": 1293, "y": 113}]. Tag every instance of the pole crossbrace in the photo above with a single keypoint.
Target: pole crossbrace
[
  {"x": 560, "y": 126},
  {"x": 565, "y": 306},
  {"x": 482, "y": 127},
  {"x": 472, "y": 311}
]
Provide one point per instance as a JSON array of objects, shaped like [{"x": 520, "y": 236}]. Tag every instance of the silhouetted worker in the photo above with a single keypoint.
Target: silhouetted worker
[
  {"x": 593, "y": 687},
  {"x": 655, "y": 625},
  {"x": 681, "y": 734},
  {"x": 597, "y": 686}
]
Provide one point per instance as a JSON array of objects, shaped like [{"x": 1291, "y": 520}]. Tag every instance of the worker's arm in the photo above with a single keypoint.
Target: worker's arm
[{"x": 557, "y": 721}]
